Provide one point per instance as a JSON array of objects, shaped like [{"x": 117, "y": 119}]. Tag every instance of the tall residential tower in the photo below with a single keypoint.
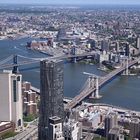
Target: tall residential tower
[{"x": 51, "y": 94}]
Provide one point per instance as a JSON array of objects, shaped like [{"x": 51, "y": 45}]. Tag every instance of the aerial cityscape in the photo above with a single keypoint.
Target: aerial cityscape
[{"x": 70, "y": 70}]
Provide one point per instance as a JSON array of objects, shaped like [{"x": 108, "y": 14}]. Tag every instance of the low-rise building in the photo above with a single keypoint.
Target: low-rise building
[
  {"x": 72, "y": 130},
  {"x": 115, "y": 134},
  {"x": 55, "y": 128},
  {"x": 6, "y": 127}
]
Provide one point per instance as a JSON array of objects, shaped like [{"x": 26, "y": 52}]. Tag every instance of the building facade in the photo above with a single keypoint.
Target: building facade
[
  {"x": 138, "y": 44},
  {"x": 29, "y": 100},
  {"x": 115, "y": 134},
  {"x": 72, "y": 130},
  {"x": 55, "y": 128},
  {"x": 51, "y": 94},
  {"x": 11, "y": 98},
  {"x": 135, "y": 128},
  {"x": 111, "y": 121}
]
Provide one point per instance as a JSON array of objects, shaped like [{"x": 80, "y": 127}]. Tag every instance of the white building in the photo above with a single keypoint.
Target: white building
[
  {"x": 138, "y": 43},
  {"x": 94, "y": 118},
  {"x": 72, "y": 130},
  {"x": 55, "y": 128},
  {"x": 11, "y": 98},
  {"x": 104, "y": 56}
]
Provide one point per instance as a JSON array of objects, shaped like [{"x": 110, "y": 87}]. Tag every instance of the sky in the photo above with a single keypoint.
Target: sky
[{"x": 126, "y": 2}]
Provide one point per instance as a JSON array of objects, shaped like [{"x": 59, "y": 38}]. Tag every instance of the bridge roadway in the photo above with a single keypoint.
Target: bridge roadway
[
  {"x": 88, "y": 91},
  {"x": 36, "y": 60}
]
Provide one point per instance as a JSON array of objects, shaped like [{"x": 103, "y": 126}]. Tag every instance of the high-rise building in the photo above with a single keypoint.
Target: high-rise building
[
  {"x": 110, "y": 122},
  {"x": 51, "y": 94},
  {"x": 61, "y": 34},
  {"x": 127, "y": 50},
  {"x": 11, "y": 98},
  {"x": 55, "y": 128},
  {"x": 105, "y": 45}
]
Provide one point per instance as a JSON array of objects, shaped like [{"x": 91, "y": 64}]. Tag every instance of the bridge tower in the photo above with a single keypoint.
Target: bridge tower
[
  {"x": 15, "y": 61},
  {"x": 126, "y": 63},
  {"x": 94, "y": 83},
  {"x": 127, "y": 70},
  {"x": 97, "y": 87},
  {"x": 73, "y": 52}
]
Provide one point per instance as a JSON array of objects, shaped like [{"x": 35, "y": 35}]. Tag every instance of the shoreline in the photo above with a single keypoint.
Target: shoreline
[{"x": 109, "y": 106}]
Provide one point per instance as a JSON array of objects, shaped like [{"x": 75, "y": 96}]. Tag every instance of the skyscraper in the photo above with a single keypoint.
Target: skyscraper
[
  {"x": 11, "y": 98},
  {"x": 51, "y": 94},
  {"x": 127, "y": 50},
  {"x": 61, "y": 34}
]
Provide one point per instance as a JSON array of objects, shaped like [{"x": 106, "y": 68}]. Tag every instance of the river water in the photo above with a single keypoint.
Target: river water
[{"x": 123, "y": 91}]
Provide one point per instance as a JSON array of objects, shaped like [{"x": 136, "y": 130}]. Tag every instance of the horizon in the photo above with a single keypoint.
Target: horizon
[{"x": 72, "y": 2}]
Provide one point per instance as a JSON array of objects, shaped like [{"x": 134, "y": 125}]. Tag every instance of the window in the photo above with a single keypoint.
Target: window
[
  {"x": 19, "y": 122},
  {"x": 18, "y": 78},
  {"x": 15, "y": 90}
]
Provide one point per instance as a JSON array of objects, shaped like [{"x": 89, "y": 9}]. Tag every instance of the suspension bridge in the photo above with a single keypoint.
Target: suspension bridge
[
  {"x": 94, "y": 83},
  {"x": 14, "y": 61}
]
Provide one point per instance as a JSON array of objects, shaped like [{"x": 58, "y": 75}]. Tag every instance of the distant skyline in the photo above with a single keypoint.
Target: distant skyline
[{"x": 121, "y": 2}]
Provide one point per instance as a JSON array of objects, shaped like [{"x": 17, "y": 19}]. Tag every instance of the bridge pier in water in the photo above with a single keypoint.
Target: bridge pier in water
[{"x": 74, "y": 60}]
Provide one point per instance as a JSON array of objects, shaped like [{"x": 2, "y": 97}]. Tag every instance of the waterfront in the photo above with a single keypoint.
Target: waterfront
[{"x": 123, "y": 91}]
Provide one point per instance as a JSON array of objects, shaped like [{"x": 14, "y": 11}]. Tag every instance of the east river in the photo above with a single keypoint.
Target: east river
[{"x": 124, "y": 91}]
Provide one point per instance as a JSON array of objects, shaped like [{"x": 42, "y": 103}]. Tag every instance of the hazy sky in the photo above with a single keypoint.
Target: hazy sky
[{"x": 74, "y": 1}]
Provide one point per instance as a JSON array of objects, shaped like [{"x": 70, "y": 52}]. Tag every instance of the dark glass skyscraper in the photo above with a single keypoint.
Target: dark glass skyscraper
[{"x": 51, "y": 94}]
